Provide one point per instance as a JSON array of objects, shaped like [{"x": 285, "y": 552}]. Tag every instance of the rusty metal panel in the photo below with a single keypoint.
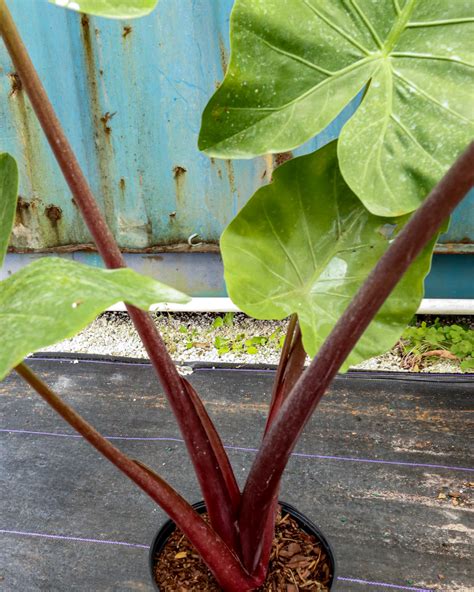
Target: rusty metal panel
[
  {"x": 460, "y": 236},
  {"x": 130, "y": 96}
]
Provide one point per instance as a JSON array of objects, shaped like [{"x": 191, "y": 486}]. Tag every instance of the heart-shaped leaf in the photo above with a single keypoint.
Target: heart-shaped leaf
[
  {"x": 8, "y": 198},
  {"x": 119, "y": 9},
  {"x": 52, "y": 299},
  {"x": 296, "y": 63},
  {"x": 305, "y": 244}
]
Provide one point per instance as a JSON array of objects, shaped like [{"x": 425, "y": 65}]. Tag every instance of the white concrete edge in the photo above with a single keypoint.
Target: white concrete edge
[
  {"x": 447, "y": 306},
  {"x": 194, "y": 305},
  {"x": 435, "y": 306}
]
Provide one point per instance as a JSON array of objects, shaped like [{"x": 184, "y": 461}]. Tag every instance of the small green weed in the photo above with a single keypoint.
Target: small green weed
[
  {"x": 243, "y": 343},
  {"x": 447, "y": 341},
  {"x": 191, "y": 335},
  {"x": 227, "y": 320}
]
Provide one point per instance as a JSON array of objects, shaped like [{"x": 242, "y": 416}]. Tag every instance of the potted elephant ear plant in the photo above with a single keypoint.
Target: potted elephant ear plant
[{"x": 334, "y": 242}]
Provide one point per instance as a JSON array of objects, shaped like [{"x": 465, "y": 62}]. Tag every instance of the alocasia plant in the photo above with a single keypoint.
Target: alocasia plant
[
  {"x": 310, "y": 245},
  {"x": 296, "y": 63},
  {"x": 286, "y": 82}
]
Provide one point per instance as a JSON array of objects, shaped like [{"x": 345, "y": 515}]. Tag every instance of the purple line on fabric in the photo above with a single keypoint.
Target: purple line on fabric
[
  {"x": 71, "y": 538},
  {"x": 363, "y": 460},
  {"x": 138, "y": 546},
  {"x": 253, "y": 450},
  {"x": 384, "y": 462},
  {"x": 59, "y": 435},
  {"x": 382, "y": 585}
]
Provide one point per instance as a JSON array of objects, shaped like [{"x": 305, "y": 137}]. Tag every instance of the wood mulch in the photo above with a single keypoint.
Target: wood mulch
[{"x": 297, "y": 563}]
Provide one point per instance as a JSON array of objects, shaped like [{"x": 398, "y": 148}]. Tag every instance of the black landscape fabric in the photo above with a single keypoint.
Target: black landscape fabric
[{"x": 383, "y": 469}]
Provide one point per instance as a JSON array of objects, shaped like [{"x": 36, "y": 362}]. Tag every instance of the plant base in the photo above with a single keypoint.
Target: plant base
[{"x": 301, "y": 558}]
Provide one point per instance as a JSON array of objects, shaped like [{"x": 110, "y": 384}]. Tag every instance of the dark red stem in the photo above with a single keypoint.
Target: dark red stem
[
  {"x": 264, "y": 477},
  {"x": 289, "y": 370},
  {"x": 220, "y": 559},
  {"x": 203, "y": 456},
  {"x": 284, "y": 356},
  {"x": 216, "y": 442}
]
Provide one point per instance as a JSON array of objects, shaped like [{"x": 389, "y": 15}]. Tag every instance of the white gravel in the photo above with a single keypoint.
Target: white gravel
[{"x": 191, "y": 337}]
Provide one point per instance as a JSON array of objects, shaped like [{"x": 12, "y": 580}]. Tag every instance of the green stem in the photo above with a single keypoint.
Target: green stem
[{"x": 399, "y": 26}]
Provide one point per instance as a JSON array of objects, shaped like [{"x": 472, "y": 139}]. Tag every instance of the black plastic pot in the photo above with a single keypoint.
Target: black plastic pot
[{"x": 306, "y": 525}]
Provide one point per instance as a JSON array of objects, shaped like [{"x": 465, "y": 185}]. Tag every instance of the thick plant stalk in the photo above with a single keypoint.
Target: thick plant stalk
[
  {"x": 219, "y": 558},
  {"x": 216, "y": 442},
  {"x": 271, "y": 460},
  {"x": 284, "y": 357},
  {"x": 203, "y": 456},
  {"x": 289, "y": 370}
]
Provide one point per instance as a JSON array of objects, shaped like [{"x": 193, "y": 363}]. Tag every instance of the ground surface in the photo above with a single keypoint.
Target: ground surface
[
  {"x": 382, "y": 469},
  {"x": 193, "y": 337}
]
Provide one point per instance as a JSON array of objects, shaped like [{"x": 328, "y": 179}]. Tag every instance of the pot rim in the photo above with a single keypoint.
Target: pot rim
[{"x": 163, "y": 534}]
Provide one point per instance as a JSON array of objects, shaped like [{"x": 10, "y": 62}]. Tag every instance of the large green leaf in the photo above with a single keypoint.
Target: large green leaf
[
  {"x": 8, "y": 197},
  {"x": 119, "y": 9},
  {"x": 296, "y": 63},
  {"x": 52, "y": 299},
  {"x": 304, "y": 244}
]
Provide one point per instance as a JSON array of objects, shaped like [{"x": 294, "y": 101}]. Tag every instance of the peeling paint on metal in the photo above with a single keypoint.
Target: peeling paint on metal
[
  {"x": 106, "y": 117},
  {"x": 282, "y": 157},
  {"x": 178, "y": 172},
  {"x": 31, "y": 226},
  {"x": 102, "y": 127},
  {"x": 127, "y": 29},
  {"x": 54, "y": 214},
  {"x": 16, "y": 83}
]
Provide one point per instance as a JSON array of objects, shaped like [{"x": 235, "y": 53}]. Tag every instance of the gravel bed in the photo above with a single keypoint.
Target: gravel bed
[{"x": 192, "y": 337}]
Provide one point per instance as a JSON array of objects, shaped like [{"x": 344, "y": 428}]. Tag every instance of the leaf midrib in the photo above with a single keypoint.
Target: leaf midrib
[
  {"x": 269, "y": 111},
  {"x": 398, "y": 27},
  {"x": 340, "y": 73}
]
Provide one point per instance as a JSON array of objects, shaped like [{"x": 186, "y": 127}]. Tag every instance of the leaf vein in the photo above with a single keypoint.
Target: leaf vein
[
  {"x": 415, "y": 141},
  {"x": 336, "y": 28},
  {"x": 296, "y": 57},
  {"x": 368, "y": 24},
  {"x": 429, "y": 97},
  {"x": 282, "y": 245},
  {"x": 429, "y": 56},
  {"x": 440, "y": 23},
  {"x": 267, "y": 267}
]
